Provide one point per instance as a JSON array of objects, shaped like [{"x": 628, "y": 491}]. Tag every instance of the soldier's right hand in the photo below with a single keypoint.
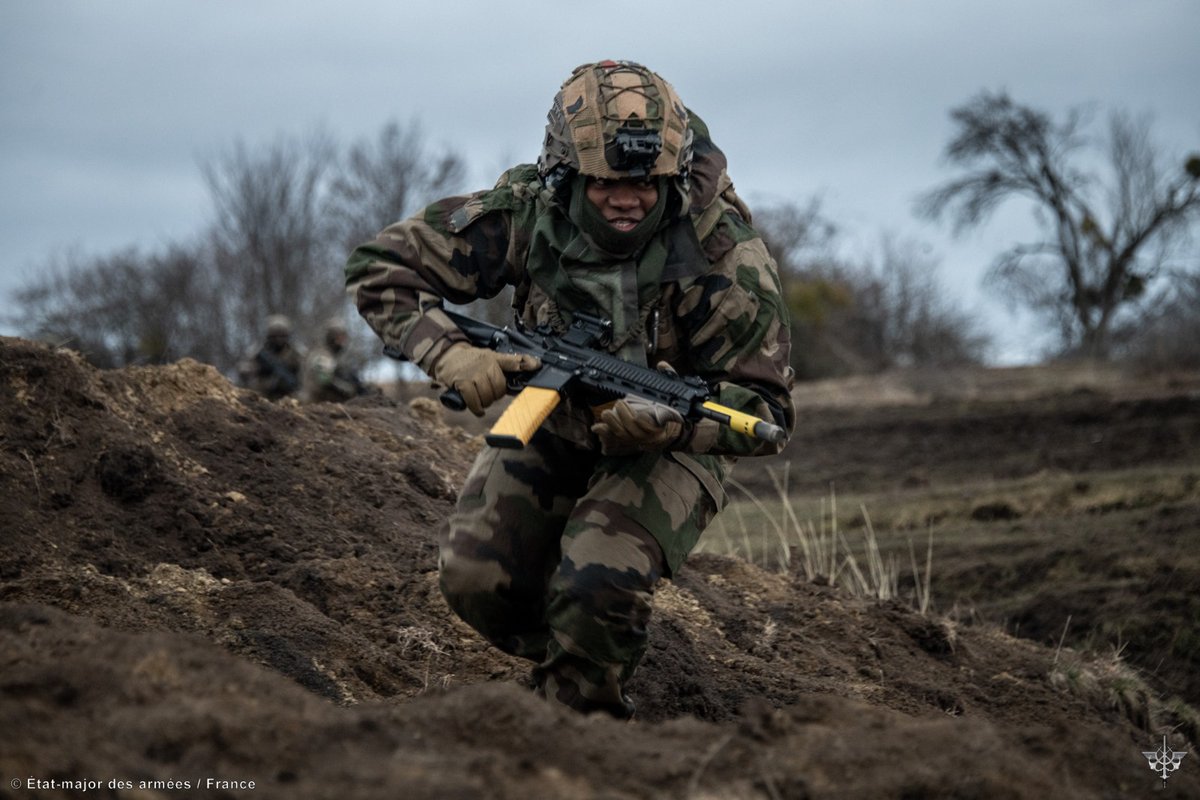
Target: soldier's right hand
[{"x": 478, "y": 373}]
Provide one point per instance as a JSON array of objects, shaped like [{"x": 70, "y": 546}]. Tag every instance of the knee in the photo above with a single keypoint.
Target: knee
[{"x": 462, "y": 576}]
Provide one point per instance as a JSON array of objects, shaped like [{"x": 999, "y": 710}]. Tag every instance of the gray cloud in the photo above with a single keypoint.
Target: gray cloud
[{"x": 106, "y": 109}]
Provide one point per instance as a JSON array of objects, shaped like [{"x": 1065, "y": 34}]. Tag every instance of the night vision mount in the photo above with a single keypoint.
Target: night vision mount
[{"x": 633, "y": 150}]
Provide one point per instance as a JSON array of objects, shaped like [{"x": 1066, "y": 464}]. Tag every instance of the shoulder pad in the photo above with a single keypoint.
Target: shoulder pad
[
  {"x": 519, "y": 175},
  {"x": 511, "y": 190}
]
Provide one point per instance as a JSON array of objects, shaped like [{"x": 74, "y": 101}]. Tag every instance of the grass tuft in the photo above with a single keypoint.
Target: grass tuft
[{"x": 771, "y": 534}]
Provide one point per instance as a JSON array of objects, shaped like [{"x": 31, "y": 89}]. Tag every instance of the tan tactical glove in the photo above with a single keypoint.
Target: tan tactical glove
[
  {"x": 634, "y": 425},
  {"x": 478, "y": 373}
]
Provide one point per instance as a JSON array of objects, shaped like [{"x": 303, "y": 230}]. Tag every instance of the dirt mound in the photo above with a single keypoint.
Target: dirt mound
[{"x": 198, "y": 584}]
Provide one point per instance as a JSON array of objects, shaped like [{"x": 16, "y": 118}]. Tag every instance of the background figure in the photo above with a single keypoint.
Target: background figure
[
  {"x": 274, "y": 369},
  {"x": 327, "y": 376}
]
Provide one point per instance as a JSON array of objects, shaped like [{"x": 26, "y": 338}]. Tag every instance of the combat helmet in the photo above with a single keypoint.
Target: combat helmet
[
  {"x": 615, "y": 119},
  {"x": 336, "y": 333},
  {"x": 278, "y": 325}
]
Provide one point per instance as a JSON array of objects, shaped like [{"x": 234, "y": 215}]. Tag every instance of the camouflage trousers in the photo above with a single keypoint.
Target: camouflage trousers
[{"x": 553, "y": 554}]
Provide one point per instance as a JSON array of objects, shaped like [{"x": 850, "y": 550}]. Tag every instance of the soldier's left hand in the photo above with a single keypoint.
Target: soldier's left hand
[{"x": 633, "y": 425}]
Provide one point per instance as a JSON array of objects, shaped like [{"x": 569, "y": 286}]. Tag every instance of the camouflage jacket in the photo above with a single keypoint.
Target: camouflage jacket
[
  {"x": 327, "y": 379},
  {"x": 273, "y": 374},
  {"x": 720, "y": 314}
]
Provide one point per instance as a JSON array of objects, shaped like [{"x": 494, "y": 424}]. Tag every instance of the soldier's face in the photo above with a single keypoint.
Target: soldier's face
[{"x": 624, "y": 202}]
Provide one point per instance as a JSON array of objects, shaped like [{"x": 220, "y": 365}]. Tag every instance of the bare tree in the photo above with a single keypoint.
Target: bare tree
[
  {"x": 125, "y": 308},
  {"x": 1106, "y": 242},
  {"x": 272, "y": 240},
  {"x": 283, "y": 219},
  {"x": 386, "y": 179},
  {"x": 797, "y": 236},
  {"x": 1170, "y": 330},
  {"x": 901, "y": 316},
  {"x": 379, "y": 182},
  {"x": 858, "y": 316}
]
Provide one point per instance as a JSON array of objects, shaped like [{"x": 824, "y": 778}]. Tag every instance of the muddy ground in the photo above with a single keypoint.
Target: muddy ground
[{"x": 200, "y": 589}]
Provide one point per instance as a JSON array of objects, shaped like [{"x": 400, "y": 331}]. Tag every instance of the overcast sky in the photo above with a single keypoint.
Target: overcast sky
[{"x": 107, "y": 109}]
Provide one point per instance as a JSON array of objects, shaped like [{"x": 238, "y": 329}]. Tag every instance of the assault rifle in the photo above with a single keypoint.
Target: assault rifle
[{"x": 573, "y": 364}]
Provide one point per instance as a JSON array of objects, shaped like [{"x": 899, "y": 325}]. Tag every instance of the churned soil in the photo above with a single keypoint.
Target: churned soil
[{"x": 201, "y": 587}]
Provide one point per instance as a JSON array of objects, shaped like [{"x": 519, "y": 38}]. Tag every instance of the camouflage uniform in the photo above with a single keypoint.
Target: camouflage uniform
[
  {"x": 273, "y": 370},
  {"x": 327, "y": 377},
  {"x": 553, "y": 551}
]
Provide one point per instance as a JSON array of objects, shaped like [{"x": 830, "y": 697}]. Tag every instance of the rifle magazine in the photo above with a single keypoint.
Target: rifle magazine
[{"x": 523, "y": 417}]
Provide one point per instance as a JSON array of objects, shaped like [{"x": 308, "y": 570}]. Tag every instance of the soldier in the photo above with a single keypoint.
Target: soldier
[
  {"x": 554, "y": 550},
  {"x": 273, "y": 370},
  {"x": 328, "y": 377}
]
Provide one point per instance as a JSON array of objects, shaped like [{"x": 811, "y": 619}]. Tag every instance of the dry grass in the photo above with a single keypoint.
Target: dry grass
[
  {"x": 771, "y": 533},
  {"x": 1108, "y": 683},
  {"x": 834, "y": 539},
  {"x": 1001, "y": 542}
]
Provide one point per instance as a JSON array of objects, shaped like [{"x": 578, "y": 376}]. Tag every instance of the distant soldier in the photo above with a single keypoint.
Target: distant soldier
[
  {"x": 327, "y": 377},
  {"x": 274, "y": 369}
]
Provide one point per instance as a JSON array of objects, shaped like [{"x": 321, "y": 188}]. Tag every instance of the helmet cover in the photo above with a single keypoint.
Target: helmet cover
[{"x": 615, "y": 119}]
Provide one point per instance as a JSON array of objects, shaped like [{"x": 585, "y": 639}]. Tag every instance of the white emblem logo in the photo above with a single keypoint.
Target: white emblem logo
[{"x": 1164, "y": 760}]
